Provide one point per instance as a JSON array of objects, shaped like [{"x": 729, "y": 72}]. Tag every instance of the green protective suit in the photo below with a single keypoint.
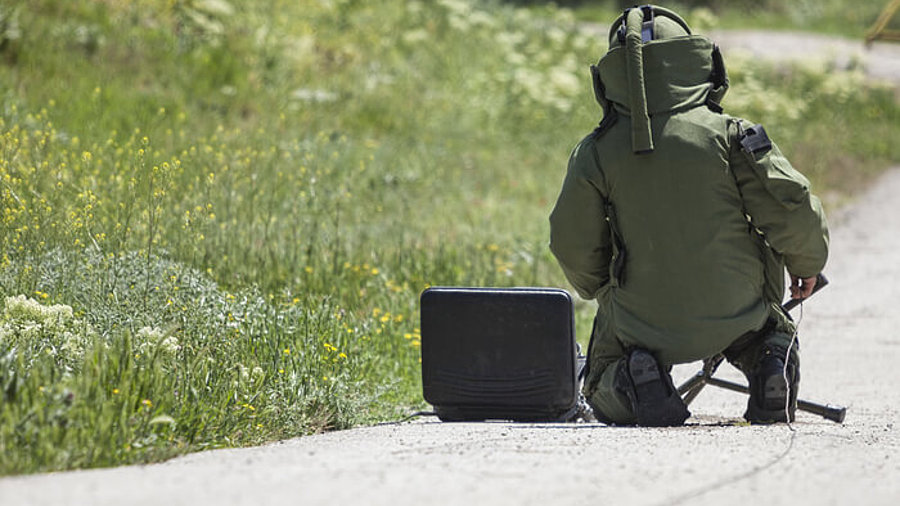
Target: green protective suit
[{"x": 680, "y": 235}]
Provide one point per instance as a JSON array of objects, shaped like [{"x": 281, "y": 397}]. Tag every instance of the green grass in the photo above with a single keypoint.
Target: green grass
[{"x": 241, "y": 209}]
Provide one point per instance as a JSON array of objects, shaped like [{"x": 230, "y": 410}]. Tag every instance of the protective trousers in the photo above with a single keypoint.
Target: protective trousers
[{"x": 606, "y": 354}]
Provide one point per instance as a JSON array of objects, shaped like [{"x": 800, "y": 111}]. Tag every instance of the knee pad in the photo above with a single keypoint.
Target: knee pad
[{"x": 773, "y": 388}]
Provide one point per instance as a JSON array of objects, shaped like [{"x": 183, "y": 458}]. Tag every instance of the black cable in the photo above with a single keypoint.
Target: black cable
[{"x": 407, "y": 418}]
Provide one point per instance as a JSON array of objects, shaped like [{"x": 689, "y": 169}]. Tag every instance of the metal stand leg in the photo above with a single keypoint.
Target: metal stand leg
[{"x": 692, "y": 387}]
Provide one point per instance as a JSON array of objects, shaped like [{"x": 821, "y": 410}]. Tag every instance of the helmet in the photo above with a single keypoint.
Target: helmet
[
  {"x": 628, "y": 34},
  {"x": 657, "y": 23}
]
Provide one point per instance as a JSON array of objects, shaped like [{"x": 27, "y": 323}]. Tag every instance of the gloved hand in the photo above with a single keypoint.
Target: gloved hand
[{"x": 802, "y": 288}]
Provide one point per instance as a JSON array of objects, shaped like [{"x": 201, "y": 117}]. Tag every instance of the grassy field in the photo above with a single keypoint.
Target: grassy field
[{"x": 218, "y": 216}]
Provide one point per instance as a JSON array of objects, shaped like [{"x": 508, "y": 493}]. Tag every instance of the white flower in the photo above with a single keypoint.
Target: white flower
[
  {"x": 415, "y": 36},
  {"x": 564, "y": 81},
  {"x": 308, "y": 95},
  {"x": 152, "y": 338}
]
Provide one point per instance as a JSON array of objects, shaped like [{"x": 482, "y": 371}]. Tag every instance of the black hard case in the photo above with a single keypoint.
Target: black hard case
[{"x": 507, "y": 354}]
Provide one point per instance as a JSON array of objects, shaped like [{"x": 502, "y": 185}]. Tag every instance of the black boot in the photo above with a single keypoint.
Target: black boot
[
  {"x": 772, "y": 399},
  {"x": 649, "y": 388}
]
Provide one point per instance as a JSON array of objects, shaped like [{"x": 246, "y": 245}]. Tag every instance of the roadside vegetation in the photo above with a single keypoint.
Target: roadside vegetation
[{"x": 217, "y": 217}]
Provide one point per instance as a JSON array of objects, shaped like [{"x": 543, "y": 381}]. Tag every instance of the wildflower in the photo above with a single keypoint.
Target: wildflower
[
  {"x": 287, "y": 351},
  {"x": 115, "y": 391},
  {"x": 152, "y": 337},
  {"x": 147, "y": 403}
]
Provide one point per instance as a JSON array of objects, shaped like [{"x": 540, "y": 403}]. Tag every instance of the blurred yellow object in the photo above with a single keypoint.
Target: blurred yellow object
[{"x": 878, "y": 30}]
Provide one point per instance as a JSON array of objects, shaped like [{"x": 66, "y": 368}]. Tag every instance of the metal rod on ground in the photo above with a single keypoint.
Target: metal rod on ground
[
  {"x": 692, "y": 387},
  {"x": 833, "y": 413}
]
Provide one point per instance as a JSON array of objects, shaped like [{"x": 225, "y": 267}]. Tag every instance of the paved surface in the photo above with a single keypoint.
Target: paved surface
[
  {"x": 880, "y": 61},
  {"x": 851, "y": 355}
]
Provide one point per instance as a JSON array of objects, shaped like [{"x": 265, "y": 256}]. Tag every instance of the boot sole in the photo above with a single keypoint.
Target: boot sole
[{"x": 655, "y": 402}]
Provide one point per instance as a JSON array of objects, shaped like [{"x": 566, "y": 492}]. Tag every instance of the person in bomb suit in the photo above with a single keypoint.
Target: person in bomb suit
[{"x": 679, "y": 220}]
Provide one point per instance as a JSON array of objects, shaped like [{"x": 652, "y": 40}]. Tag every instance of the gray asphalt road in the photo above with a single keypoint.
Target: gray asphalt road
[
  {"x": 880, "y": 61},
  {"x": 851, "y": 355}
]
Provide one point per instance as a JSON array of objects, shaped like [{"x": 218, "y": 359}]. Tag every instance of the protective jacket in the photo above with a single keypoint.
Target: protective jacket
[{"x": 677, "y": 230}]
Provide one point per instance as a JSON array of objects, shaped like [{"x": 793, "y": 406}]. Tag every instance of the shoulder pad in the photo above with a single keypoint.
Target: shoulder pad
[{"x": 754, "y": 140}]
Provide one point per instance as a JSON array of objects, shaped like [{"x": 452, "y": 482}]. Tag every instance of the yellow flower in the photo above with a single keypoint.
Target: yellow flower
[
  {"x": 115, "y": 391},
  {"x": 147, "y": 403},
  {"x": 287, "y": 351}
]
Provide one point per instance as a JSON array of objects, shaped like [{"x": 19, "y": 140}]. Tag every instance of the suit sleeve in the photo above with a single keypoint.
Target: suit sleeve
[
  {"x": 579, "y": 231},
  {"x": 778, "y": 200}
]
